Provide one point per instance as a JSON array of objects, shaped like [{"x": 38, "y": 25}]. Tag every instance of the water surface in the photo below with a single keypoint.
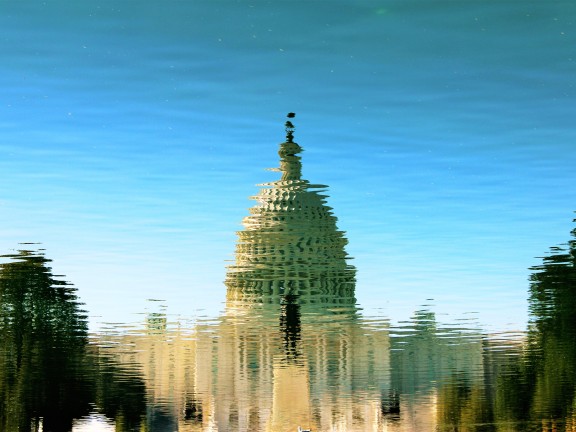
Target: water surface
[{"x": 132, "y": 134}]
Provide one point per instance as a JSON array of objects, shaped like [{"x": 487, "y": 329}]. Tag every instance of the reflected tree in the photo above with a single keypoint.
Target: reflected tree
[
  {"x": 463, "y": 406},
  {"x": 540, "y": 387},
  {"x": 552, "y": 354},
  {"x": 291, "y": 327},
  {"x": 49, "y": 373},
  {"x": 43, "y": 337},
  {"x": 120, "y": 396},
  {"x": 533, "y": 391}
]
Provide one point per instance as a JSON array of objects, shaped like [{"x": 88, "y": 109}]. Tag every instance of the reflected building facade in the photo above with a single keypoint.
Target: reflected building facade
[
  {"x": 276, "y": 360},
  {"x": 429, "y": 362}
]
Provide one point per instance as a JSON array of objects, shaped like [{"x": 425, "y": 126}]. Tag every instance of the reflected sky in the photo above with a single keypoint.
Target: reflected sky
[{"x": 132, "y": 133}]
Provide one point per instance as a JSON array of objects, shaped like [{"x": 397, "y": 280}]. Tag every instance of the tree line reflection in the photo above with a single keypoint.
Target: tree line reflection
[{"x": 291, "y": 349}]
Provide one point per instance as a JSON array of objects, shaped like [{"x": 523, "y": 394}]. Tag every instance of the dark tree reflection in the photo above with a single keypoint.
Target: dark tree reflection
[
  {"x": 528, "y": 388},
  {"x": 541, "y": 387},
  {"x": 120, "y": 394},
  {"x": 49, "y": 373},
  {"x": 552, "y": 355},
  {"x": 43, "y": 336}
]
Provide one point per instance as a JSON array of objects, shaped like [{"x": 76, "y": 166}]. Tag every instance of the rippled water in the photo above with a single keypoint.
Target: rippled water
[{"x": 131, "y": 134}]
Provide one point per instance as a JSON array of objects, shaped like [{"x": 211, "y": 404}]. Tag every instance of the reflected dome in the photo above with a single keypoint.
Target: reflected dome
[{"x": 290, "y": 244}]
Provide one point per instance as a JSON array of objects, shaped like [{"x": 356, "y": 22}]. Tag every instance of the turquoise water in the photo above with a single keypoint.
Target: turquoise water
[{"x": 133, "y": 133}]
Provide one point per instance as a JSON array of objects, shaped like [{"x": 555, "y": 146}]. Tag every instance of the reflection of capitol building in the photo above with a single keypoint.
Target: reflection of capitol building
[
  {"x": 290, "y": 244},
  {"x": 291, "y": 349}
]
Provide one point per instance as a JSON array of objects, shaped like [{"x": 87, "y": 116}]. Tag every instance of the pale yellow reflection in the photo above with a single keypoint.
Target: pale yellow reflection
[{"x": 291, "y": 400}]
